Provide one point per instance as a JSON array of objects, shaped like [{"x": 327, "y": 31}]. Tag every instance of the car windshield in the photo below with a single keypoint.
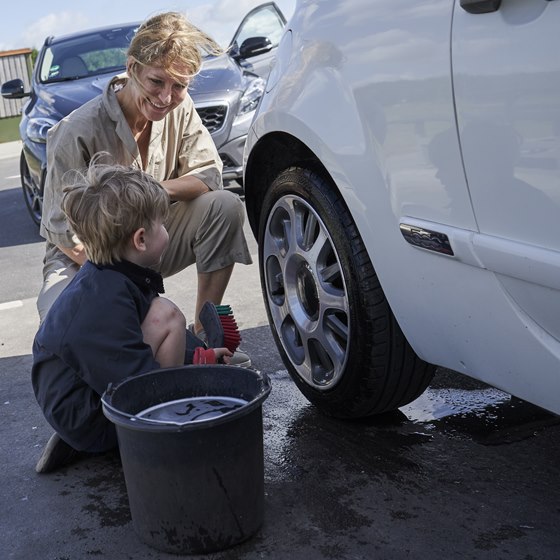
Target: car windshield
[{"x": 90, "y": 54}]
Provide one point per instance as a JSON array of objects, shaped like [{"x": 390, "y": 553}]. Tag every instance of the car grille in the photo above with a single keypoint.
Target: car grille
[
  {"x": 213, "y": 117},
  {"x": 227, "y": 161}
]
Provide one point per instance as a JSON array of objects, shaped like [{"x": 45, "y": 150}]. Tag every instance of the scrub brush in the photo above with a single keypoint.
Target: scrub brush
[{"x": 220, "y": 326}]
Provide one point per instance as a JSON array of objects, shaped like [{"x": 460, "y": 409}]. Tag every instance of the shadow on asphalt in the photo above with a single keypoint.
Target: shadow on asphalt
[{"x": 16, "y": 225}]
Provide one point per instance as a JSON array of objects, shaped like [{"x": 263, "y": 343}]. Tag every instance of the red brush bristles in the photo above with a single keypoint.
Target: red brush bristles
[
  {"x": 232, "y": 338},
  {"x": 220, "y": 326}
]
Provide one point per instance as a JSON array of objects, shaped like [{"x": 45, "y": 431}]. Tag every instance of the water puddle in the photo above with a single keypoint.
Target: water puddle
[
  {"x": 193, "y": 409},
  {"x": 487, "y": 415},
  {"x": 435, "y": 404}
]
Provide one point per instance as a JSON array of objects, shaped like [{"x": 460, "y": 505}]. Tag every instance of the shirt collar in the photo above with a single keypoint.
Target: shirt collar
[{"x": 146, "y": 279}]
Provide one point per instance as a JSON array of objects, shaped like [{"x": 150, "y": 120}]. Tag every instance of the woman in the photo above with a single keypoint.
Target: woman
[{"x": 147, "y": 119}]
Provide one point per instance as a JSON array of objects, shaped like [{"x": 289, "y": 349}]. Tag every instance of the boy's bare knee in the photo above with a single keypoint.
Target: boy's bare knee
[{"x": 164, "y": 312}]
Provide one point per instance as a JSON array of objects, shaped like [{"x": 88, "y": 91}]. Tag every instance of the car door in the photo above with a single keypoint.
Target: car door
[
  {"x": 506, "y": 77},
  {"x": 255, "y": 42}
]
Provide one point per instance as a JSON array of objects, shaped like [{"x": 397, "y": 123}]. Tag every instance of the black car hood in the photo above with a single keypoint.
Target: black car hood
[{"x": 57, "y": 100}]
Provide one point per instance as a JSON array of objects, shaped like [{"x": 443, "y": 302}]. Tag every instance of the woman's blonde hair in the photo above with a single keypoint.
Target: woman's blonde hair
[
  {"x": 106, "y": 204},
  {"x": 168, "y": 40}
]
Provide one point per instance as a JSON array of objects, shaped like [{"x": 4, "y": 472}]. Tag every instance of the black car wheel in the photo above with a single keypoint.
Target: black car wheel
[
  {"x": 32, "y": 193},
  {"x": 331, "y": 322}
]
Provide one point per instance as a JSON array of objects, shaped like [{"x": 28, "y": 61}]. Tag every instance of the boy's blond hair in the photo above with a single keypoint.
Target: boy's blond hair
[
  {"x": 108, "y": 203},
  {"x": 168, "y": 40}
]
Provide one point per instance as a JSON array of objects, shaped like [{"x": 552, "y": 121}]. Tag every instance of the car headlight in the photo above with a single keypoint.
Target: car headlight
[
  {"x": 37, "y": 129},
  {"x": 251, "y": 96}
]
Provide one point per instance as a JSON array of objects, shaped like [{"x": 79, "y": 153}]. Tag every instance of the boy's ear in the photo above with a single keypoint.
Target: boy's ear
[{"x": 139, "y": 240}]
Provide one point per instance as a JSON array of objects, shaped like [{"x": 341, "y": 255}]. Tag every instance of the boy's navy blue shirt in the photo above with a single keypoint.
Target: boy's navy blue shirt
[{"x": 91, "y": 337}]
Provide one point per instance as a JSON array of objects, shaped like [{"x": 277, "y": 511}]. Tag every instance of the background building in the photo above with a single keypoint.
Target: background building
[{"x": 14, "y": 64}]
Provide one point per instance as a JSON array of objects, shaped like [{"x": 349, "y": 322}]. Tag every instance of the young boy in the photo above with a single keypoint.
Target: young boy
[{"x": 109, "y": 323}]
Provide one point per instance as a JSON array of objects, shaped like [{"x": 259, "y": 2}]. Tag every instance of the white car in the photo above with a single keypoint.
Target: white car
[{"x": 402, "y": 178}]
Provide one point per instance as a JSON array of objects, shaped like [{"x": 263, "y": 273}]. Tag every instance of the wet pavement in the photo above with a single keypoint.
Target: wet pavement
[{"x": 463, "y": 472}]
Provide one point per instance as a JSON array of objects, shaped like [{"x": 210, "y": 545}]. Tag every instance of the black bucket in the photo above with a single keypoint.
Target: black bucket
[{"x": 196, "y": 486}]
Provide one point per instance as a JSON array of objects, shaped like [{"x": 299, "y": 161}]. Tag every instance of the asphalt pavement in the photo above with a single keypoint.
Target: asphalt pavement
[
  {"x": 9, "y": 149},
  {"x": 465, "y": 472}
]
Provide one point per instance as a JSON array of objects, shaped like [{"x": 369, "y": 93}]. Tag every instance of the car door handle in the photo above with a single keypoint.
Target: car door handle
[{"x": 480, "y": 6}]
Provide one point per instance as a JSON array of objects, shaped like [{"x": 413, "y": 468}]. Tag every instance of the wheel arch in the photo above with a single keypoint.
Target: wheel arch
[{"x": 273, "y": 153}]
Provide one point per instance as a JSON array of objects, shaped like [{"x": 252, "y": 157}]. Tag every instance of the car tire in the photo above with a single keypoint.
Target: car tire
[
  {"x": 32, "y": 193},
  {"x": 329, "y": 316}
]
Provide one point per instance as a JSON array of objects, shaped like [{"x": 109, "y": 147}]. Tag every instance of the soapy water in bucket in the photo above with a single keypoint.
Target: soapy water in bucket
[{"x": 192, "y": 409}]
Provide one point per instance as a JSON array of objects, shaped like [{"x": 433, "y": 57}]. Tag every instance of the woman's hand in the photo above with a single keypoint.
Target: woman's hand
[{"x": 76, "y": 253}]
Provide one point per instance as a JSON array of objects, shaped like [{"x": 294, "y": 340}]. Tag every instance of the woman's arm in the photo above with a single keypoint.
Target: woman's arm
[
  {"x": 194, "y": 159},
  {"x": 64, "y": 154},
  {"x": 187, "y": 187}
]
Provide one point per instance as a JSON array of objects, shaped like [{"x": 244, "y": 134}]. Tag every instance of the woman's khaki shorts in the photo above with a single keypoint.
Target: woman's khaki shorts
[{"x": 207, "y": 231}]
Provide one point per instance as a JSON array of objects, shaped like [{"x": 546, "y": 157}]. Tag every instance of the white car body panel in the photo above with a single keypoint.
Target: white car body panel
[{"x": 367, "y": 87}]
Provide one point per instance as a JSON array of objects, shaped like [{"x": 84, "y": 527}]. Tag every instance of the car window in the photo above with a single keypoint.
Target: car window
[
  {"x": 87, "y": 55},
  {"x": 263, "y": 22}
]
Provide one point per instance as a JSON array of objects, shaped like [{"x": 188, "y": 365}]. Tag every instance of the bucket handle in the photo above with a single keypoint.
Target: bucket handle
[{"x": 136, "y": 418}]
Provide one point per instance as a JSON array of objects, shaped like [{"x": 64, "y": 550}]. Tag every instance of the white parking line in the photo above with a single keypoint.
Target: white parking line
[{"x": 11, "y": 304}]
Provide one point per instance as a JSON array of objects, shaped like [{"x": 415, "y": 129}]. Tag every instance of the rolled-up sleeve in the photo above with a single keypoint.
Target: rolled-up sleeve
[
  {"x": 198, "y": 155},
  {"x": 63, "y": 154}
]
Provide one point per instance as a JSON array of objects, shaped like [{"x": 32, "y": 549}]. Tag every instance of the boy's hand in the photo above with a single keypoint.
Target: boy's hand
[
  {"x": 211, "y": 356},
  {"x": 223, "y": 355}
]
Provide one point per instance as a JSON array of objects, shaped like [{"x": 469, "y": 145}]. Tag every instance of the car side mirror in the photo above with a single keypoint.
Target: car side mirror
[
  {"x": 14, "y": 89},
  {"x": 254, "y": 46}
]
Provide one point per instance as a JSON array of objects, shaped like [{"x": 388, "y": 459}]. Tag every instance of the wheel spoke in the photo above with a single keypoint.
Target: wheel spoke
[
  {"x": 324, "y": 356},
  {"x": 319, "y": 243},
  {"x": 336, "y": 301},
  {"x": 36, "y": 202},
  {"x": 331, "y": 273},
  {"x": 309, "y": 230},
  {"x": 337, "y": 326}
]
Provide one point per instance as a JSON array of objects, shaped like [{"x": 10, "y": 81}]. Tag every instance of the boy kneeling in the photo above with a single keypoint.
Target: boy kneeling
[{"x": 109, "y": 323}]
